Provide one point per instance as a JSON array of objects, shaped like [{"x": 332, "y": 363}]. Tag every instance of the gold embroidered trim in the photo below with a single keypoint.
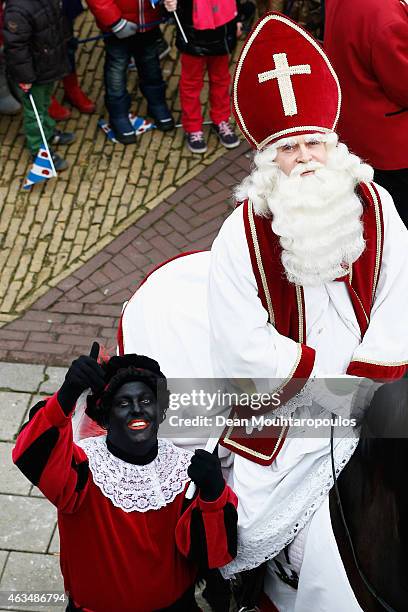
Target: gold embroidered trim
[
  {"x": 241, "y": 60},
  {"x": 301, "y": 128},
  {"x": 390, "y": 364},
  {"x": 361, "y": 304},
  {"x": 300, "y": 312},
  {"x": 259, "y": 262},
  {"x": 379, "y": 238},
  {"x": 277, "y": 390},
  {"x": 255, "y": 453}
]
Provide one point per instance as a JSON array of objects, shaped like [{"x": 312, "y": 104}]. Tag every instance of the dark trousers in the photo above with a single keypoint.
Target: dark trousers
[
  {"x": 396, "y": 182},
  {"x": 143, "y": 48}
]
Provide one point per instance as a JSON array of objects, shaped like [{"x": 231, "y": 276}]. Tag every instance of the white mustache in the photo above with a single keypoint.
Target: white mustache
[{"x": 301, "y": 168}]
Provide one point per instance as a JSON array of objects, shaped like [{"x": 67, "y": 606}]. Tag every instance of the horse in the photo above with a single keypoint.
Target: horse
[
  {"x": 367, "y": 511},
  {"x": 374, "y": 499}
]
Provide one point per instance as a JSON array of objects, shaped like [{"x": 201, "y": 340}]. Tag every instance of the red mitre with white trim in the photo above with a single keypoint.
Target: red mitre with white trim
[{"x": 284, "y": 84}]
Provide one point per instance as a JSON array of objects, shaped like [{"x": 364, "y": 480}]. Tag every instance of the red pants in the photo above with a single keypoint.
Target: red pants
[{"x": 191, "y": 83}]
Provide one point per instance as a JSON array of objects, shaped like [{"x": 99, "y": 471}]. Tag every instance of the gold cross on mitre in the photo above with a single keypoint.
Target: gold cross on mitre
[{"x": 283, "y": 73}]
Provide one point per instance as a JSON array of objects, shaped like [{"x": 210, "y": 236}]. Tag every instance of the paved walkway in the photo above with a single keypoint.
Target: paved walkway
[
  {"x": 29, "y": 546},
  {"x": 86, "y": 304},
  {"x": 50, "y": 232}
]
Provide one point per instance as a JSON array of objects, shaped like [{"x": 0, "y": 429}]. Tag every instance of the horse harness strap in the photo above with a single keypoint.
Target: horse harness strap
[{"x": 365, "y": 580}]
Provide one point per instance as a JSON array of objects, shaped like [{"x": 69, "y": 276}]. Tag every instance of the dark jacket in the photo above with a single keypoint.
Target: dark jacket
[
  {"x": 35, "y": 35},
  {"x": 220, "y": 41},
  {"x": 72, "y": 8}
]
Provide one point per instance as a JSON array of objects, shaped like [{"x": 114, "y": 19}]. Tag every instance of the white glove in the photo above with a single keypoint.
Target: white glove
[{"x": 124, "y": 29}]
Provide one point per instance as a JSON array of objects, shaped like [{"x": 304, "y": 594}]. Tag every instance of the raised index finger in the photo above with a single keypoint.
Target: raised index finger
[{"x": 94, "y": 351}]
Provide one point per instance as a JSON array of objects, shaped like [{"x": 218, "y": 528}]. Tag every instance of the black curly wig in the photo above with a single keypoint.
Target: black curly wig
[{"x": 119, "y": 371}]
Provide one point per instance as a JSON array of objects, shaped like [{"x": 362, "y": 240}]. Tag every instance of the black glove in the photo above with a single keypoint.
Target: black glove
[
  {"x": 205, "y": 471},
  {"x": 83, "y": 373}
]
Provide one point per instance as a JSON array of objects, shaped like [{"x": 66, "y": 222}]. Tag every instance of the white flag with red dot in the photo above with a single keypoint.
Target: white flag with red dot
[{"x": 41, "y": 170}]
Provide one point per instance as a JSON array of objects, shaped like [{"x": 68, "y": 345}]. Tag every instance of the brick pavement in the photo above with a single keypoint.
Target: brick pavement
[
  {"x": 50, "y": 232},
  {"x": 86, "y": 304}
]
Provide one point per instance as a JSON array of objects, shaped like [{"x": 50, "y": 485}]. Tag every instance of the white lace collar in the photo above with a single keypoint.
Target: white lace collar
[{"x": 138, "y": 488}]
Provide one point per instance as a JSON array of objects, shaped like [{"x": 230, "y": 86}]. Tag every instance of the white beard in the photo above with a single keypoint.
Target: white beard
[{"x": 318, "y": 220}]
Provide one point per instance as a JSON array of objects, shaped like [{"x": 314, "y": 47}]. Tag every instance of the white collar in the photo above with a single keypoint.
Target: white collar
[{"x": 138, "y": 488}]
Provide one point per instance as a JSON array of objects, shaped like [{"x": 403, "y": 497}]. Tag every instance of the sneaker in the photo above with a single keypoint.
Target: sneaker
[
  {"x": 62, "y": 138},
  {"x": 196, "y": 142},
  {"x": 165, "y": 125},
  {"x": 122, "y": 128},
  {"x": 226, "y": 134},
  {"x": 60, "y": 164},
  {"x": 125, "y": 137}
]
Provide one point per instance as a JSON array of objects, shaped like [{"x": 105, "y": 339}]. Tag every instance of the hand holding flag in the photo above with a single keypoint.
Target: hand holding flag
[{"x": 171, "y": 6}]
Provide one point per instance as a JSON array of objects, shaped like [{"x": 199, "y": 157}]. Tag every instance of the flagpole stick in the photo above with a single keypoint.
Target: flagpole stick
[
  {"x": 37, "y": 116},
  {"x": 180, "y": 27},
  {"x": 209, "y": 447}
]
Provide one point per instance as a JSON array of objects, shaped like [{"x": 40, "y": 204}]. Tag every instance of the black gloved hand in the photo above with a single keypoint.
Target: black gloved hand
[
  {"x": 83, "y": 373},
  {"x": 205, "y": 471}
]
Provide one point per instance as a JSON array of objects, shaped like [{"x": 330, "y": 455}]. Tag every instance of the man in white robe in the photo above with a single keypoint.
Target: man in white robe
[{"x": 218, "y": 321}]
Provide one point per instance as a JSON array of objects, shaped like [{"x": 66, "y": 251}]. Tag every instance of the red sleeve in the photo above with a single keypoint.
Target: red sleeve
[
  {"x": 207, "y": 531},
  {"x": 47, "y": 456},
  {"x": 106, "y": 12},
  {"x": 390, "y": 57},
  {"x": 377, "y": 371}
]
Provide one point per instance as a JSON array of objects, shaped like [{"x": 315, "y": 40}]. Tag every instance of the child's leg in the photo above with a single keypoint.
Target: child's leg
[
  {"x": 42, "y": 97},
  {"x": 191, "y": 84},
  {"x": 47, "y": 121},
  {"x": 219, "y": 76},
  {"x": 117, "y": 98},
  {"x": 152, "y": 85}
]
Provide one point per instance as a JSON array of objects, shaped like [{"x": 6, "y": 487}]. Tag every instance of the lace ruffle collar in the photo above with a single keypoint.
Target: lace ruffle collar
[{"x": 138, "y": 488}]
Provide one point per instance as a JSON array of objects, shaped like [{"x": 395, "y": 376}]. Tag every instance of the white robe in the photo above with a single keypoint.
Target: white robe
[{"x": 220, "y": 329}]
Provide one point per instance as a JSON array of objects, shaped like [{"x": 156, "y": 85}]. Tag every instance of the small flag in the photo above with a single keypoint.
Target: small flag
[
  {"x": 154, "y": 3},
  {"x": 139, "y": 124},
  {"x": 40, "y": 171}
]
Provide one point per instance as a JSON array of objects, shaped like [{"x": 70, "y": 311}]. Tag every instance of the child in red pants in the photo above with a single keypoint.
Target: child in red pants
[{"x": 211, "y": 30}]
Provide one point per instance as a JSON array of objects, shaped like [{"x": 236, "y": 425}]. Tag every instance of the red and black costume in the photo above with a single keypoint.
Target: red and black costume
[{"x": 126, "y": 542}]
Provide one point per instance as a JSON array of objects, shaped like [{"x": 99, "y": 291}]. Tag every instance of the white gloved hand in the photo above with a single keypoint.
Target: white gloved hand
[{"x": 124, "y": 28}]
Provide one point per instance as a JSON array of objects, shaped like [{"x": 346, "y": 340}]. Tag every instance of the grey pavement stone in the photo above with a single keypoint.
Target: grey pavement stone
[
  {"x": 26, "y": 523},
  {"x": 34, "y": 399},
  {"x": 12, "y": 409},
  {"x": 20, "y": 376},
  {"x": 33, "y": 573},
  {"x": 35, "y": 492},
  {"x": 55, "y": 543},
  {"x": 11, "y": 479},
  {"x": 55, "y": 379},
  {"x": 3, "y": 557}
]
